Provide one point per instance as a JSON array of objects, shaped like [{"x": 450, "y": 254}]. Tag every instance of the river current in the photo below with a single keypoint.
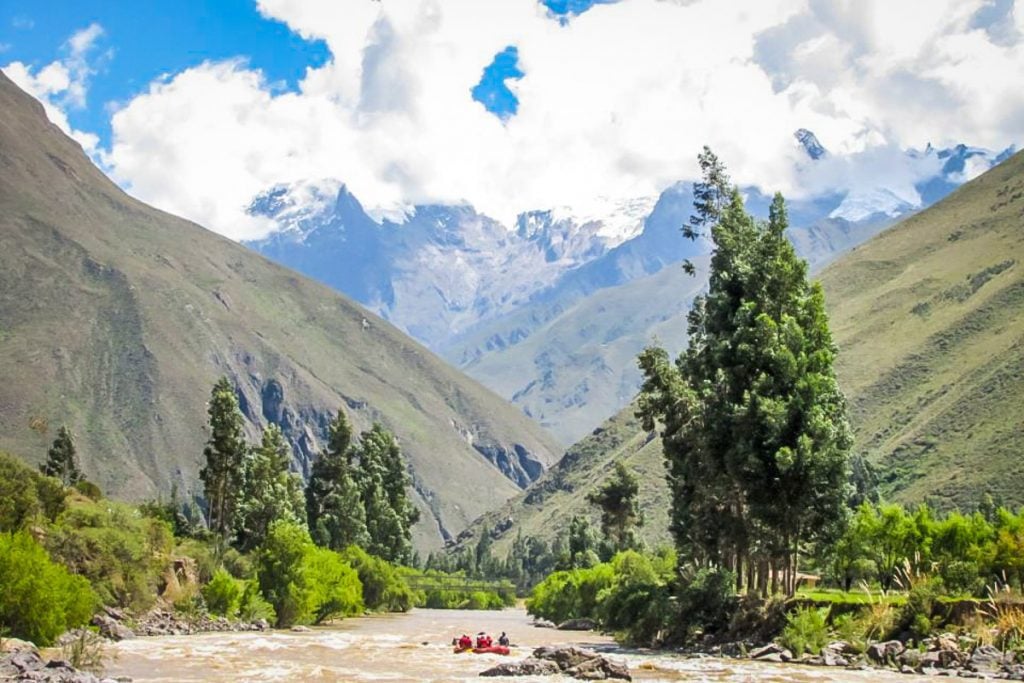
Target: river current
[{"x": 416, "y": 647}]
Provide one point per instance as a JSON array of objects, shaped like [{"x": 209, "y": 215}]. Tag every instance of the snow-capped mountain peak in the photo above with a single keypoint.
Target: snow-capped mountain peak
[{"x": 815, "y": 150}]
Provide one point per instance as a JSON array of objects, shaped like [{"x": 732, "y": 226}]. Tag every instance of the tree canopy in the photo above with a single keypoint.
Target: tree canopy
[{"x": 754, "y": 425}]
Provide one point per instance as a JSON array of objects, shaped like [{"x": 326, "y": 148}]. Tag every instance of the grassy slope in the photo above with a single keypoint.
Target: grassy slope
[
  {"x": 582, "y": 363},
  {"x": 929, "y": 320},
  {"x": 117, "y": 318}
]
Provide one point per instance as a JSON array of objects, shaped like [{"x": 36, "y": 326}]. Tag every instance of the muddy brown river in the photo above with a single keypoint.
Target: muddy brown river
[{"x": 416, "y": 647}]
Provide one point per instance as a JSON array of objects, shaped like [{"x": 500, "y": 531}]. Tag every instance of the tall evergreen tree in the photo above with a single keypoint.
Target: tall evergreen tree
[
  {"x": 620, "y": 511},
  {"x": 710, "y": 196},
  {"x": 383, "y": 481},
  {"x": 61, "y": 459},
  {"x": 754, "y": 425},
  {"x": 334, "y": 507},
  {"x": 270, "y": 491},
  {"x": 580, "y": 544},
  {"x": 225, "y": 452}
]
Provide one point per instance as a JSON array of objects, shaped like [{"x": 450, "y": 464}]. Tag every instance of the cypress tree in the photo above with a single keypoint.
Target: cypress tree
[
  {"x": 225, "y": 452},
  {"x": 334, "y": 507},
  {"x": 754, "y": 425},
  {"x": 383, "y": 481},
  {"x": 620, "y": 511},
  {"x": 61, "y": 459},
  {"x": 270, "y": 491}
]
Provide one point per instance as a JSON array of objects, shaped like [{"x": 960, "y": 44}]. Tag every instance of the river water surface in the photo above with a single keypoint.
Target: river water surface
[{"x": 416, "y": 647}]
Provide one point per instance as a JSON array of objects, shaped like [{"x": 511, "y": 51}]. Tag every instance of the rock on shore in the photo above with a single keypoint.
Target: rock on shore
[{"x": 26, "y": 664}]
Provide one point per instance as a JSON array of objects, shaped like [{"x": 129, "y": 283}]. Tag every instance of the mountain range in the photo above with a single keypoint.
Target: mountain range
[
  {"x": 928, "y": 317},
  {"x": 548, "y": 312},
  {"x": 117, "y": 318}
]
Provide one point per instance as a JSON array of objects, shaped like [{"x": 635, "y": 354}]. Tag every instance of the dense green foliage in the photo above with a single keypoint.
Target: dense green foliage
[
  {"x": 223, "y": 474},
  {"x": 356, "y": 494},
  {"x": 628, "y": 594},
  {"x": 270, "y": 491},
  {"x": 806, "y": 630},
  {"x": 303, "y": 582},
  {"x": 886, "y": 543},
  {"x": 382, "y": 483},
  {"x": 223, "y": 594},
  {"x": 121, "y": 552},
  {"x": 384, "y": 589},
  {"x": 334, "y": 508},
  {"x": 62, "y": 459},
  {"x": 279, "y": 567},
  {"x": 39, "y": 599},
  {"x": 440, "y": 590},
  {"x": 27, "y": 497},
  {"x": 334, "y": 586},
  {"x": 754, "y": 425}
]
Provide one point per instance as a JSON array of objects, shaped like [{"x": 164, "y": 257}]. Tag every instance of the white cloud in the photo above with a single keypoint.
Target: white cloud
[
  {"x": 613, "y": 105},
  {"x": 63, "y": 83}
]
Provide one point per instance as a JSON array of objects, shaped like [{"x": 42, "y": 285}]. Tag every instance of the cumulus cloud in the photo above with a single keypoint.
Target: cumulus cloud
[
  {"x": 63, "y": 83},
  {"x": 613, "y": 104}
]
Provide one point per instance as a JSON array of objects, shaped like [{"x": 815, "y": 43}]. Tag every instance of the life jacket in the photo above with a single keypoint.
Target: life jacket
[{"x": 465, "y": 642}]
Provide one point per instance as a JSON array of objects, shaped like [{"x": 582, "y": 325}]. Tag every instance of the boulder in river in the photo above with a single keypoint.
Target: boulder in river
[
  {"x": 585, "y": 665},
  {"x": 111, "y": 628},
  {"x": 578, "y": 625},
  {"x": 772, "y": 652},
  {"x": 599, "y": 669},
  {"x": 527, "y": 667}
]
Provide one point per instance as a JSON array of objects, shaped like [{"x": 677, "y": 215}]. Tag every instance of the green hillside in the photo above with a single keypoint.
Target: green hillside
[
  {"x": 117, "y": 318},
  {"x": 584, "y": 360},
  {"x": 929, "y": 320}
]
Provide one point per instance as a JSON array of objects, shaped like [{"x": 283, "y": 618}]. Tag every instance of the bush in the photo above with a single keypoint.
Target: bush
[
  {"x": 384, "y": 589},
  {"x": 205, "y": 555},
  {"x": 121, "y": 552},
  {"x": 571, "y": 594},
  {"x": 806, "y": 630},
  {"x": 962, "y": 577},
  {"x": 89, "y": 489},
  {"x": 85, "y": 650},
  {"x": 39, "y": 599},
  {"x": 222, "y": 594},
  {"x": 238, "y": 565},
  {"x": 279, "y": 568},
  {"x": 334, "y": 586},
  {"x": 707, "y": 600},
  {"x": 26, "y": 495},
  {"x": 252, "y": 606},
  {"x": 916, "y": 614}
]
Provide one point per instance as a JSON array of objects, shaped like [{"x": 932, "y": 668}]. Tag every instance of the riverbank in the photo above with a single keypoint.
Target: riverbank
[{"x": 416, "y": 647}]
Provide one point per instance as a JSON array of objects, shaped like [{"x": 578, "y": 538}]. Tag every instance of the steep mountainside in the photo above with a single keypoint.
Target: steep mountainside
[
  {"x": 117, "y": 318},
  {"x": 929, "y": 320},
  {"x": 515, "y": 305}
]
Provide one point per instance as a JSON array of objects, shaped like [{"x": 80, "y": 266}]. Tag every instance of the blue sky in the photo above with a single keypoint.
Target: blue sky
[
  {"x": 143, "y": 40},
  {"x": 146, "y": 39}
]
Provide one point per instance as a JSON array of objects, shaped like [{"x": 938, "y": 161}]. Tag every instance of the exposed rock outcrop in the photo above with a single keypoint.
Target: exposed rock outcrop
[{"x": 584, "y": 665}]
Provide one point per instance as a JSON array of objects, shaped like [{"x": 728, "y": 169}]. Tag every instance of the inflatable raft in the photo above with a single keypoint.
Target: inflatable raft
[{"x": 492, "y": 650}]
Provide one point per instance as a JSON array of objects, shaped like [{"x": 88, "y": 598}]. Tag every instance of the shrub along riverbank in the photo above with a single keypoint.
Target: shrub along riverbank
[
  {"x": 917, "y": 575},
  {"x": 64, "y": 556}
]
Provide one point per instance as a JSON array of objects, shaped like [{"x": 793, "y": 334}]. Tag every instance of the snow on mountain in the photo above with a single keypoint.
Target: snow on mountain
[
  {"x": 617, "y": 220},
  {"x": 471, "y": 287},
  {"x": 860, "y": 206},
  {"x": 815, "y": 150}
]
